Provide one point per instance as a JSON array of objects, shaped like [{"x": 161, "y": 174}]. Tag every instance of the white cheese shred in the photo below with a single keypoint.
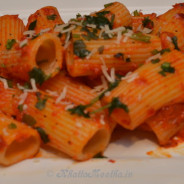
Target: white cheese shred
[{"x": 62, "y": 95}]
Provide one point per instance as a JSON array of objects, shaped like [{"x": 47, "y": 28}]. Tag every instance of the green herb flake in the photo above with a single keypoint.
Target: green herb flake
[
  {"x": 32, "y": 25},
  {"x": 3, "y": 65},
  {"x": 40, "y": 103},
  {"x": 155, "y": 51},
  {"x": 119, "y": 55},
  {"x": 38, "y": 75},
  {"x": 101, "y": 49},
  {"x": 20, "y": 107},
  {"x": 28, "y": 120},
  {"x": 141, "y": 37},
  {"x": 51, "y": 17},
  {"x": 80, "y": 49},
  {"x": 10, "y": 83},
  {"x": 154, "y": 61},
  {"x": 175, "y": 42},
  {"x": 108, "y": 4},
  {"x": 166, "y": 68},
  {"x": 76, "y": 35},
  {"x": 79, "y": 110},
  {"x": 136, "y": 13},
  {"x": 98, "y": 20},
  {"x": 12, "y": 126},
  {"x": 105, "y": 36},
  {"x": 128, "y": 60},
  {"x": 148, "y": 23},
  {"x": 10, "y": 43},
  {"x": 115, "y": 103},
  {"x": 44, "y": 136}
]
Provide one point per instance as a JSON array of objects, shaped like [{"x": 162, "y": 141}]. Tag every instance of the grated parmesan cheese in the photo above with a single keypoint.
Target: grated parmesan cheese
[
  {"x": 130, "y": 77},
  {"x": 44, "y": 30},
  {"x": 52, "y": 93},
  {"x": 70, "y": 106},
  {"x": 33, "y": 85},
  {"x": 169, "y": 39},
  {"x": 5, "y": 83},
  {"x": 100, "y": 88},
  {"x": 22, "y": 43},
  {"x": 91, "y": 53},
  {"x": 4, "y": 130},
  {"x": 62, "y": 95},
  {"x": 22, "y": 98},
  {"x": 29, "y": 33},
  {"x": 102, "y": 119},
  {"x": 110, "y": 78},
  {"x": 79, "y": 124},
  {"x": 156, "y": 56}
]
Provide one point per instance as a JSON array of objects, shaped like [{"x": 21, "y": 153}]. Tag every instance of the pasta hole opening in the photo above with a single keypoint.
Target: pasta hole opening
[
  {"x": 20, "y": 147},
  {"x": 46, "y": 57},
  {"x": 97, "y": 142}
]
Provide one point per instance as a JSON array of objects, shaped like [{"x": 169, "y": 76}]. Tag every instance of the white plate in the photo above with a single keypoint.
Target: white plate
[{"x": 128, "y": 150}]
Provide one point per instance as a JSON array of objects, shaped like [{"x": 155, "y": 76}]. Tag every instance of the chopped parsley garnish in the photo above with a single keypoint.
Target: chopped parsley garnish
[
  {"x": 105, "y": 36},
  {"x": 20, "y": 107},
  {"x": 80, "y": 49},
  {"x": 40, "y": 103},
  {"x": 101, "y": 49},
  {"x": 166, "y": 68},
  {"x": 128, "y": 60},
  {"x": 98, "y": 20},
  {"x": 79, "y": 110},
  {"x": 108, "y": 4},
  {"x": 44, "y": 136},
  {"x": 175, "y": 42},
  {"x": 115, "y": 103},
  {"x": 51, "y": 17},
  {"x": 140, "y": 37},
  {"x": 12, "y": 126},
  {"x": 10, "y": 43},
  {"x": 136, "y": 13},
  {"x": 148, "y": 23},
  {"x": 10, "y": 83},
  {"x": 119, "y": 55},
  {"x": 32, "y": 25},
  {"x": 154, "y": 52},
  {"x": 28, "y": 119},
  {"x": 38, "y": 75},
  {"x": 76, "y": 35},
  {"x": 154, "y": 61}
]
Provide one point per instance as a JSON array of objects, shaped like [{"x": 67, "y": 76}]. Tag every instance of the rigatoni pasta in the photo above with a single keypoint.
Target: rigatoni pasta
[
  {"x": 72, "y": 134},
  {"x": 148, "y": 89},
  {"x": 17, "y": 141},
  {"x": 116, "y": 67}
]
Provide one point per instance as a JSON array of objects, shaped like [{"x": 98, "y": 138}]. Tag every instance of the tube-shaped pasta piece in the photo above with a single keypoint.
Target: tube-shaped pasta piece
[
  {"x": 143, "y": 22},
  {"x": 76, "y": 92},
  {"x": 122, "y": 16},
  {"x": 148, "y": 89},
  {"x": 123, "y": 55},
  {"x": 41, "y": 57},
  {"x": 172, "y": 23},
  {"x": 79, "y": 137},
  {"x": 11, "y": 28},
  {"x": 167, "y": 122},
  {"x": 44, "y": 18},
  {"x": 17, "y": 141}
]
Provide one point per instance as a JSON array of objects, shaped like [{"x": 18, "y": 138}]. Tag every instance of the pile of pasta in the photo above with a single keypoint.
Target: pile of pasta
[{"x": 68, "y": 85}]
